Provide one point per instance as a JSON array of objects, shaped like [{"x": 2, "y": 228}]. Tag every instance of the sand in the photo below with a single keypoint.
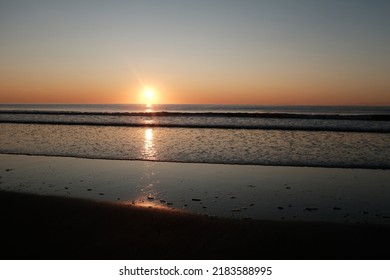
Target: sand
[{"x": 45, "y": 227}]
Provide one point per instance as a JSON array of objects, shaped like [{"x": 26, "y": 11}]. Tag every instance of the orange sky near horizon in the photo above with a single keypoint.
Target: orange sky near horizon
[
  {"x": 166, "y": 95},
  {"x": 135, "y": 96},
  {"x": 195, "y": 52}
]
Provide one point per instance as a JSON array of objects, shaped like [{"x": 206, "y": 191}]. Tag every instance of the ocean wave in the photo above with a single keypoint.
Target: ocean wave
[
  {"x": 364, "y": 117},
  {"x": 373, "y": 123}
]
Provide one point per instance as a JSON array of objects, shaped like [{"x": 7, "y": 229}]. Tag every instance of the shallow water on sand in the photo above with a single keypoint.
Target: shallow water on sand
[{"x": 244, "y": 192}]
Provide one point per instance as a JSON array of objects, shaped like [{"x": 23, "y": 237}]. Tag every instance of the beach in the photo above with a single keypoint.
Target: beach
[
  {"x": 42, "y": 227},
  {"x": 280, "y": 193},
  {"x": 68, "y": 208}
]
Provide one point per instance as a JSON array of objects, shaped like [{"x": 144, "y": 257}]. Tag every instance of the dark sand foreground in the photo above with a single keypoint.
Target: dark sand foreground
[{"x": 42, "y": 227}]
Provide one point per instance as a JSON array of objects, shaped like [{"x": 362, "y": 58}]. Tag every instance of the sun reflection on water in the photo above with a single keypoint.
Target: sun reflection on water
[
  {"x": 148, "y": 108},
  {"x": 149, "y": 122},
  {"x": 149, "y": 151}
]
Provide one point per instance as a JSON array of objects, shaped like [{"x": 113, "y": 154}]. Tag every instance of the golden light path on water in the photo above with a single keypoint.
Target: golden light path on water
[
  {"x": 148, "y": 182},
  {"x": 148, "y": 193},
  {"x": 149, "y": 151}
]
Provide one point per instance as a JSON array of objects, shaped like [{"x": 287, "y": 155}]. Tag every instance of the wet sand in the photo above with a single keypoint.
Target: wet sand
[
  {"x": 230, "y": 191},
  {"x": 45, "y": 227}
]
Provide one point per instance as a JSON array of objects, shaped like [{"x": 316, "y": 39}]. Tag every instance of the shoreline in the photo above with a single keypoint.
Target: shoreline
[{"x": 45, "y": 227}]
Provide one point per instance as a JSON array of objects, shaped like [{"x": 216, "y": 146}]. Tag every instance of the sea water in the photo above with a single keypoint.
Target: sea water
[{"x": 319, "y": 136}]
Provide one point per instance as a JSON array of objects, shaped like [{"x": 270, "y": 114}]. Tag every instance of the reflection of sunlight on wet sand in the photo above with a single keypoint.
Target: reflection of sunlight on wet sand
[
  {"x": 148, "y": 196},
  {"x": 149, "y": 152},
  {"x": 154, "y": 204}
]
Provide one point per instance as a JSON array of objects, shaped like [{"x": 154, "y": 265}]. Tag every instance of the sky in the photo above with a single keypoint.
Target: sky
[{"x": 271, "y": 52}]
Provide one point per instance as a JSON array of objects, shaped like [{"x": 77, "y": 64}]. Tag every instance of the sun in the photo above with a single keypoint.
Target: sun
[{"x": 149, "y": 95}]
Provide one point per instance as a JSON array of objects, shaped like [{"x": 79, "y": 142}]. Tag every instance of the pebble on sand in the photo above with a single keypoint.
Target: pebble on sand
[{"x": 310, "y": 209}]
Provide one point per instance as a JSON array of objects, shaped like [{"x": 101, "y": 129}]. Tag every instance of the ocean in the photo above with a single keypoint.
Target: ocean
[
  {"x": 249, "y": 162},
  {"x": 315, "y": 136}
]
